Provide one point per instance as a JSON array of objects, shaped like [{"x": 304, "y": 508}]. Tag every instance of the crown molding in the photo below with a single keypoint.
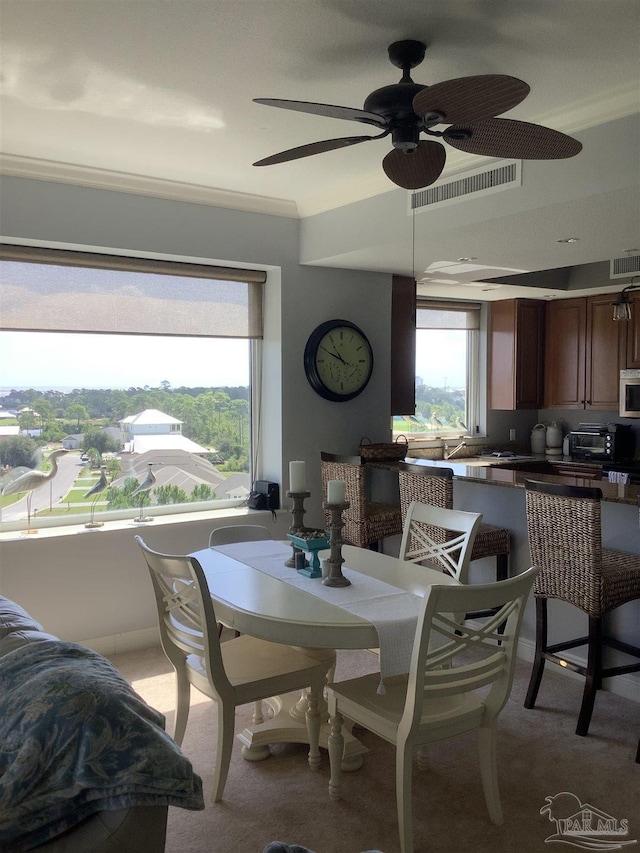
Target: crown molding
[
  {"x": 600, "y": 108},
  {"x": 34, "y": 168}
]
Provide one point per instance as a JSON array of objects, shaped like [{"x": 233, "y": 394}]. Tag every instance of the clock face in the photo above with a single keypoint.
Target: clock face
[{"x": 338, "y": 360}]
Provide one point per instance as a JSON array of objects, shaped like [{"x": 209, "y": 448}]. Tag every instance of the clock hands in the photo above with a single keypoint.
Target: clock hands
[{"x": 335, "y": 354}]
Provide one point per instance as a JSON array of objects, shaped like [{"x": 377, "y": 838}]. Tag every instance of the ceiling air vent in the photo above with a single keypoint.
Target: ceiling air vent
[
  {"x": 477, "y": 183},
  {"x": 624, "y": 267}
]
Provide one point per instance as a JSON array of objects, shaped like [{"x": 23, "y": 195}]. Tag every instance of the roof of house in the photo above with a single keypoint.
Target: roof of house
[
  {"x": 150, "y": 416},
  {"x": 146, "y": 443},
  {"x": 174, "y": 468}
]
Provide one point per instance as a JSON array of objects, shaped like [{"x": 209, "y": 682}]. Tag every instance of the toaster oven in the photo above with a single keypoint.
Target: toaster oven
[{"x": 602, "y": 442}]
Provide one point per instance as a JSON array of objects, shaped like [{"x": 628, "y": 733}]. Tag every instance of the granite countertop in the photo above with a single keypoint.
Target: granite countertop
[{"x": 510, "y": 473}]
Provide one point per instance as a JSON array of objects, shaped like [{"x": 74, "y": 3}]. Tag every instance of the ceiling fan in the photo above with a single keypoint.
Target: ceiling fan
[{"x": 407, "y": 109}]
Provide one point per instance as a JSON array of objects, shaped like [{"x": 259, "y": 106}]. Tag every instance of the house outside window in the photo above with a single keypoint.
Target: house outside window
[{"x": 106, "y": 329}]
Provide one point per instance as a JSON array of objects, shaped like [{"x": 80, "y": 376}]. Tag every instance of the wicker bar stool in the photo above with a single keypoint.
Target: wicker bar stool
[
  {"x": 434, "y": 485},
  {"x": 565, "y": 539},
  {"x": 366, "y": 522}
]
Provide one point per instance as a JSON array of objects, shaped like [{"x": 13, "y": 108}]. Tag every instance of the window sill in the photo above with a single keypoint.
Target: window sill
[{"x": 230, "y": 514}]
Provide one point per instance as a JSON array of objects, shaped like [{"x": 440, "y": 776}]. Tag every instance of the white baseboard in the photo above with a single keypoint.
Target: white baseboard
[{"x": 132, "y": 641}]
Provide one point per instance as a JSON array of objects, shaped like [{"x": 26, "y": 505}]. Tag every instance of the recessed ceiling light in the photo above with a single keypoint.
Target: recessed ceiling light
[
  {"x": 466, "y": 260},
  {"x": 569, "y": 240}
]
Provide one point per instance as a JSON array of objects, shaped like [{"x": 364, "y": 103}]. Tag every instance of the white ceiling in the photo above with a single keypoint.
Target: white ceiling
[{"x": 156, "y": 96}]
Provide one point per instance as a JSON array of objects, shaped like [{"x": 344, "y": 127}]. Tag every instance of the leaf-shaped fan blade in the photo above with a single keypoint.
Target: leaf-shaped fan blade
[
  {"x": 470, "y": 98},
  {"x": 415, "y": 169},
  {"x": 328, "y": 110},
  {"x": 503, "y": 137},
  {"x": 315, "y": 148}
]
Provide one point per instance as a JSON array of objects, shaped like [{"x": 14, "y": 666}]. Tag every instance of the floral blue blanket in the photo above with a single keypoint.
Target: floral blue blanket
[{"x": 76, "y": 739}]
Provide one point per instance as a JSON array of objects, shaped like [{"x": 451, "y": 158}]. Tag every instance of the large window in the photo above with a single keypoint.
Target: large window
[
  {"x": 140, "y": 369},
  {"x": 446, "y": 374}
]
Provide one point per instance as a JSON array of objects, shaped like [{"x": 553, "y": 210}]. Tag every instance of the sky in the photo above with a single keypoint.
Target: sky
[
  {"x": 441, "y": 358},
  {"x": 59, "y": 360}
]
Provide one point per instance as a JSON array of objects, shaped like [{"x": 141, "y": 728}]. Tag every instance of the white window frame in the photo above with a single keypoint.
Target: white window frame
[
  {"x": 29, "y": 254},
  {"x": 475, "y": 396}
]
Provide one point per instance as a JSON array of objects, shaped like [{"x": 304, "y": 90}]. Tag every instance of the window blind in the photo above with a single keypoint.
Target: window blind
[
  {"x": 52, "y": 290},
  {"x": 431, "y": 314}
]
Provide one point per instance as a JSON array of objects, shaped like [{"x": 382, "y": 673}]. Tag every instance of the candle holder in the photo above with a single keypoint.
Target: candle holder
[
  {"x": 297, "y": 512},
  {"x": 333, "y": 564}
]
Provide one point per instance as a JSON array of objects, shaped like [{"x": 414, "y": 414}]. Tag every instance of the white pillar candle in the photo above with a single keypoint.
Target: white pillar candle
[
  {"x": 336, "y": 492},
  {"x": 297, "y": 477}
]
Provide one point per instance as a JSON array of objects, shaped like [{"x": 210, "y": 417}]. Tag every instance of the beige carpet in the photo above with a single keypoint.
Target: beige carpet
[{"x": 280, "y": 798}]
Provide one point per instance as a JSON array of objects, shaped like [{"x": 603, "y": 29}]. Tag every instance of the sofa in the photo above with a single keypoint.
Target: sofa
[{"x": 85, "y": 763}]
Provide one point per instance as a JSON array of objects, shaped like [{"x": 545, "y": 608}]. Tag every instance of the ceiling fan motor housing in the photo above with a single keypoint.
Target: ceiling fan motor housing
[{"x": 395, "y": 104}]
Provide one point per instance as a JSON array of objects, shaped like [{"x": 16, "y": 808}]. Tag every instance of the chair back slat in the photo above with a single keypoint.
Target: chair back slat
[
  {"x": 231, "y": 533},
  {"x": 186, "y": 614},
  {"x": 450, "y": 658},
  {"x": 444, "y": 537}
]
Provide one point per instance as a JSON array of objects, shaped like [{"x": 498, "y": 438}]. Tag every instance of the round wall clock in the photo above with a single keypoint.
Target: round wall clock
[{"x": 338, "y": 360}]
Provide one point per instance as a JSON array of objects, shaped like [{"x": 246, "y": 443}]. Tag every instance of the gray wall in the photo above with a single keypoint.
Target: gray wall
[
  {"x": 82, "y": 581},
  {"x": 95, "y": 586}
]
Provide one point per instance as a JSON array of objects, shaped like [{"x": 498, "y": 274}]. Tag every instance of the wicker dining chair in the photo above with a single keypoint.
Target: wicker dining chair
[
  {"x": 366, "y": 522},
  {"x": 434, "y": 485},
  {"x": 564, "y": 532}
]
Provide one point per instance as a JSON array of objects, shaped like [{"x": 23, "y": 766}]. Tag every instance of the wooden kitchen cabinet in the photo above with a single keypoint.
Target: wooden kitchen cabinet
[
  {"x": 633, "y": 332},
  {"x": 516, "y": 354},
  {"x": 584, "y": 354},
  {"x": 403, "y": 349}
]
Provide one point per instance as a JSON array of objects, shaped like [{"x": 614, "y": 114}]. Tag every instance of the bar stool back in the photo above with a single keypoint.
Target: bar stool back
[
  {"x": 366, "y": 522},
  {"x": 434, "y": 485},
  {"x": 564, "y": 529}
]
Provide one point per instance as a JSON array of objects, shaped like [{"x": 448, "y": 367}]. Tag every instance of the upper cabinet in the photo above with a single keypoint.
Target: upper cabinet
[
  {"x": 403, "y": 345},
  {"x": 584, "y": 354},
  {"x": 516, "y": 349},
  {"x": 633, "y": 332}
]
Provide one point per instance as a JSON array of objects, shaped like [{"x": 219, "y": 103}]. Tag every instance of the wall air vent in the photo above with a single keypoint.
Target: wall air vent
[
  {"x": 476, "y": 183},
  {"x": 624, "y": 267}
]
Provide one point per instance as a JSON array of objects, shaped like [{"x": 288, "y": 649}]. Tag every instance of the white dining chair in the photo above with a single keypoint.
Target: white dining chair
[
  {"x": 440, "y": 536},
  {"x": 445, "y": 692},
  {"x": 238, "y": 533},
  {"x": 232, "y": 533},
  {"x": 236, "y": 672}
]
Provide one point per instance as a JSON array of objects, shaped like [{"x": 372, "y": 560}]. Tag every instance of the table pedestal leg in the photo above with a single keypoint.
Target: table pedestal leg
[{"x": 288, "y": 725}]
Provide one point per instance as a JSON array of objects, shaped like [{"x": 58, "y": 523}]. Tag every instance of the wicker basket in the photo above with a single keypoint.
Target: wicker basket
[{"x": 391, "y": 451}]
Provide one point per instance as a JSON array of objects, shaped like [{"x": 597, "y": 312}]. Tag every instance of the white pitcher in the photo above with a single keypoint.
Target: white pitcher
[
  {"x": 553, "y": 440},
  {"x": 538, "y": 434}
]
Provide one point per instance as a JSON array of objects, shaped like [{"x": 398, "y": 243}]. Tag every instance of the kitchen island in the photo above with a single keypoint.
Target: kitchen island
[
  {"x": 503, "y": 471},
  {"x": 495, "y": 487}
]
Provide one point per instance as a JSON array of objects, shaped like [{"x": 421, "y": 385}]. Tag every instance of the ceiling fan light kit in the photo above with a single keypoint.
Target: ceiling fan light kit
[{"x": 405, "y": 110}]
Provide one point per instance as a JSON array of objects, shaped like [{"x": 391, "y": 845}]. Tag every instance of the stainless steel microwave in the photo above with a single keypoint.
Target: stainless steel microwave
[{"x": 630, "y": 393}]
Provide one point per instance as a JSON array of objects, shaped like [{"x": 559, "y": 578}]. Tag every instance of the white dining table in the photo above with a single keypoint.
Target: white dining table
[{"x": 255, "y": 593}]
